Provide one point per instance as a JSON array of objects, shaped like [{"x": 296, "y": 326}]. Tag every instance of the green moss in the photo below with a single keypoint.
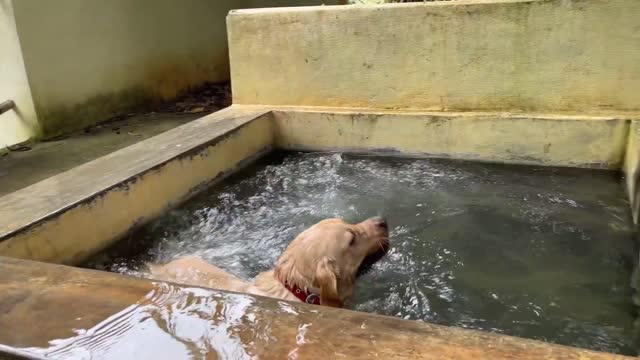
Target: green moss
[{"x": 55, "y": 121}]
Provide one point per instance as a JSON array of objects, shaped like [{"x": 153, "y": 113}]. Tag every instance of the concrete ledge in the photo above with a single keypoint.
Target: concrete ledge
[
  {"x": 73, "y": 215},
  {"x": 556, "y": 140},
  {"x": 115, "y": 316},
  {"x": 68, "y": 217}
]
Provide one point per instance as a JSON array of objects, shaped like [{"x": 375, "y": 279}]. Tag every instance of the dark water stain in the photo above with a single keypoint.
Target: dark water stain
[{"x": 536, "y": 252}]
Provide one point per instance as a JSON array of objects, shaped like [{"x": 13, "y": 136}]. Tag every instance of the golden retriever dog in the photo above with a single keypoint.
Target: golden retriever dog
[{"x": 319, "y": 266}]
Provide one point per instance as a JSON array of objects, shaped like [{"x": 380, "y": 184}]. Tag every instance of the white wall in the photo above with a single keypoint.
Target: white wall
[{"x": 16, "y": 125}]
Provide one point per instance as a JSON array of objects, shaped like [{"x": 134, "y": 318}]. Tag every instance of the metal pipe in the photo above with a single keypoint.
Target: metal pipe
[{"x": 6, "y": 106}]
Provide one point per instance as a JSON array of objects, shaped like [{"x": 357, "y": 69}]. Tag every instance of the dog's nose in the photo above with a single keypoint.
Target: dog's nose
[{"x": 380, "y": 221}]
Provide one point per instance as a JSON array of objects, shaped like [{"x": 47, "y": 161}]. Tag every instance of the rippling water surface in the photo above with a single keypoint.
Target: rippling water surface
[{"x": 541, "y": 253}]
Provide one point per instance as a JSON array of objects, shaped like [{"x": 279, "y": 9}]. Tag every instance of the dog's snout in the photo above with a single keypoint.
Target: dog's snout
[{"x": 380, "y": 221}]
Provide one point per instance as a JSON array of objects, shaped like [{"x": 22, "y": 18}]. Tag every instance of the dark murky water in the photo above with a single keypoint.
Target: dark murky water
[{"x": 541, "y": 253}]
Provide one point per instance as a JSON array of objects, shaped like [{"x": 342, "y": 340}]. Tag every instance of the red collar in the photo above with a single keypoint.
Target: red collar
[{"x": 305, "y": 297}]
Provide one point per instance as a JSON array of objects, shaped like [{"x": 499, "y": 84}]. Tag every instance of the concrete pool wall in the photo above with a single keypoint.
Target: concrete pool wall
[
  {"x": 545, "y": 58},
  {"x": 75, "y": 212},
  {"x": 71, "y": 216},
  {"x": 329, "y": 79}
]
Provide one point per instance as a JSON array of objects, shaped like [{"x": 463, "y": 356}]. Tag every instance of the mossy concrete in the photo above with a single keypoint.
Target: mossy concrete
[
  {"x": 158, "y": 81},
  {"x": 72, "y": 63},
  {"x": 517, "y": 55},
  {"x": 63, "y": 119}
]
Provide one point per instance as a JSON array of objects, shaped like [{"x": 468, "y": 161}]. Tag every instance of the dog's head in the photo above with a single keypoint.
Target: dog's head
[{"x": 325, "y": 258}]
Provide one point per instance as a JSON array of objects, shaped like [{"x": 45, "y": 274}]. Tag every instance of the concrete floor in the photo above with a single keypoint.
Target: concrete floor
[{"x": 19, "y": 169}]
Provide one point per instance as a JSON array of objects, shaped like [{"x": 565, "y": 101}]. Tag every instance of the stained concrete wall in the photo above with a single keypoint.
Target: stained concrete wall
[
  {"x": 16, "y": 125},
  {"x": 104, "y": 199},
  {"x": 571, "y": 141},
  {"x": 88, "y": 60},
  {"x": 71, "y": 216},
  {"x": 534, "y": 55}
]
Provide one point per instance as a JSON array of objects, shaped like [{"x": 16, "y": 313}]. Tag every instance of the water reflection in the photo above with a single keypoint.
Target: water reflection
[{"x": 172, "y": 323}]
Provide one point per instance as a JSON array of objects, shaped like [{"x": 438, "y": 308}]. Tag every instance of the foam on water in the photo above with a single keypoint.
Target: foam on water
[{"x": 543, "y": 253}]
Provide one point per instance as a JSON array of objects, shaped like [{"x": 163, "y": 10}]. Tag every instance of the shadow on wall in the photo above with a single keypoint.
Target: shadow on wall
[{"x": 89, "y": 60}]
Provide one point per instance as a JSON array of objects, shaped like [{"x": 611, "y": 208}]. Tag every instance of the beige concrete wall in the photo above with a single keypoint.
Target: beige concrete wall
[
  {"x": 17, "y": 125},
  {"x": 592, "y": 142},
  {"x": 533, "y": 55},
  {"x": 88, "y": 60}
]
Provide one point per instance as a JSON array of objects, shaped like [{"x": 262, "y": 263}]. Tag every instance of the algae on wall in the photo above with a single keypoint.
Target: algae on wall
[{"x": 89, "y": 60}]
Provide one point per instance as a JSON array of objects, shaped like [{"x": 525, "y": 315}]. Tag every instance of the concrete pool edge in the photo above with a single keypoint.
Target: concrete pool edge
[
  {"x": 33, "y": 287},
  {"x": 50, "y": 222},
  {"x": 68, "y": 217},
  {"x": 515, "y": 138},
  {"x": 104, "y": 199}
]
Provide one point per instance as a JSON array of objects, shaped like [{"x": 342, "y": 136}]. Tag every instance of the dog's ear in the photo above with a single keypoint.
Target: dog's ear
[{"x": 327, "y": 275}]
